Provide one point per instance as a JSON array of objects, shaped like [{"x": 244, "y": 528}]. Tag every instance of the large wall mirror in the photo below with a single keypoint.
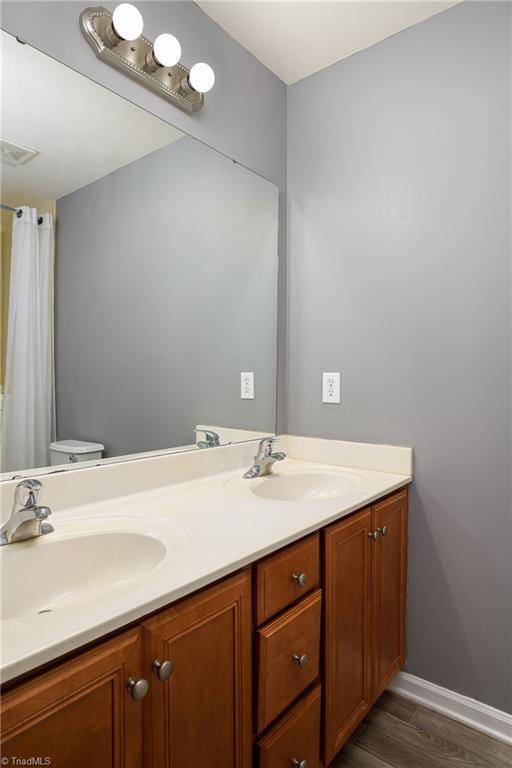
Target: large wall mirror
[{"x": 139, "y": 279}]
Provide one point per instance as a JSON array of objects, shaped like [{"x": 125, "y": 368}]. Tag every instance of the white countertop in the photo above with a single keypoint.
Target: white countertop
[{"x": 210, "y": 527}]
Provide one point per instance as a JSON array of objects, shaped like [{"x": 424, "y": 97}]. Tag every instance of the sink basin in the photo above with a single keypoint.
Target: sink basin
[
  {"x": 298, "y": 486},
  {"x": 311, "y": 486},
  {"x": 44, "y": 575}
]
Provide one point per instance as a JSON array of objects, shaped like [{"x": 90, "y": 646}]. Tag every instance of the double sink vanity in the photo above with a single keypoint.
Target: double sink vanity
[{"x": 181, "y": 614}]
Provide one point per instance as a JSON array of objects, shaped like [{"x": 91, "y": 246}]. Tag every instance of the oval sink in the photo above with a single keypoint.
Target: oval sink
[
  {"x": 298, "y": 486},
  {"x": 46, "y": 574},
  {"x": 311, "y": 486}
]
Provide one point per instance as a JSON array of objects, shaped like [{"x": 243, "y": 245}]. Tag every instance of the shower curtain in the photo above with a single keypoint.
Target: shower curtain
[{"x": 28, "y": 418}]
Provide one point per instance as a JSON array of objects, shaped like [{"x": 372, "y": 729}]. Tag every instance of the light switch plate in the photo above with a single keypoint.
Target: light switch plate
[
  {"x": 331, "y": 387},
  {"x": 247, "y": 385}
]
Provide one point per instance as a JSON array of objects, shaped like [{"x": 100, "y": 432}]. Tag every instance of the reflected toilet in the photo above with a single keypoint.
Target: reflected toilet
[{"x": 74, "y": 451}]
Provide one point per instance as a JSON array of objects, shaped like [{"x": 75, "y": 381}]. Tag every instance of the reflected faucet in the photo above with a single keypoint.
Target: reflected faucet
[
  {"x": 211, "y": 439},
  {"x": 264, "y": 459},
  {"x": 27, "y": 517}
]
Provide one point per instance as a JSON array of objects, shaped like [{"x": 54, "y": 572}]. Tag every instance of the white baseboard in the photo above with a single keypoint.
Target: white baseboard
[{"x": 479, "y": 716}]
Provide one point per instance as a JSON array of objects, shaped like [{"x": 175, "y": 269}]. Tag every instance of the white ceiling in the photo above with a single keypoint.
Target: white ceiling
[
  {"x": 295, "y": 39},
  {"x": 81, "y": 130}
]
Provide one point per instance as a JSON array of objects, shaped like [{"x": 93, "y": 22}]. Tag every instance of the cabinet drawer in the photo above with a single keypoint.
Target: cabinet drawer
[
  {"x": 283, "y": 578},
  {"x": 295, "y": 737},
  {"x": 288, "y": 657}
]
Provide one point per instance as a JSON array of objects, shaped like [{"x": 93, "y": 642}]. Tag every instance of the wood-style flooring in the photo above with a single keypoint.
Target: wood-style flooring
[{"x": 401, "y": 734}]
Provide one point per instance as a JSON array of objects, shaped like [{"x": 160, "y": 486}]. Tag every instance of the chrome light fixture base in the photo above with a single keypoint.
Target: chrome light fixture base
[{"x": 131, "y": 57}]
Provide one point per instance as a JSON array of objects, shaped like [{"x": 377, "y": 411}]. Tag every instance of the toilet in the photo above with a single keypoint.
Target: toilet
[{"x": 74, "y": 451}]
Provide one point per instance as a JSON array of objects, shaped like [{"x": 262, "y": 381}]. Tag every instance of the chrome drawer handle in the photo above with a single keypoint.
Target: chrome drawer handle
[
  {"x": 300, "y": 579},
  {"x": 299, "y": 763},
  {"x": 300, "y": 660},
  {"x": 374, "y": 535},
  {"x": 138, "y": 688},
  {"x": 383, "y": 531},
  {"x": 163, "y": 669}
]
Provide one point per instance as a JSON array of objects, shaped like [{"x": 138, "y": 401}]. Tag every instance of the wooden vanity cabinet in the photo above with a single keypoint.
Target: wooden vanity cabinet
[
  {"x": 329, "y": 614},
  {"x": 201, "y": 715},
  {"x": 364, "y": 597},
  {"x": 80, "y": 713}
]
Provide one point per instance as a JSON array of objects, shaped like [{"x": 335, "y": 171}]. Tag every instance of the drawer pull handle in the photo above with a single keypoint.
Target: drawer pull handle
[
  {"x": 374, "y": 535},
  {"x": 300, "y": 579},
  {"x": 163, "y": 669},
  {"x": 299, "y": 763},
  {"x": 300, "y": 660},
  {"x": 137, "y": 688},
  {"x": 383, "y": 531}
]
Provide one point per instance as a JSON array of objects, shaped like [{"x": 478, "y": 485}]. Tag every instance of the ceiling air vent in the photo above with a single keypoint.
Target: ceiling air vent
[{"x": 15, "y": 154}]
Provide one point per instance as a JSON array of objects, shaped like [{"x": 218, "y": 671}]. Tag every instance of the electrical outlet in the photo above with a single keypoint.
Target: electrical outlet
[
  {"x": 247, "y": 385},
  {"x": 331, "y": 387}
]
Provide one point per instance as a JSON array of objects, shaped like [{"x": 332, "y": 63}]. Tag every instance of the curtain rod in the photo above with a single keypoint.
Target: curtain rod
[{"x": 18, "y": 212}]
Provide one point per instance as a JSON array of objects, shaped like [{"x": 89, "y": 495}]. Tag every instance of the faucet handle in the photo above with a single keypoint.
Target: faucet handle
[
  {"x": 211, "y": 437},
  {"x": 42, "y": 513},
  {"x": 27, "y": 492},
  {"x": 266, "y": 445}
]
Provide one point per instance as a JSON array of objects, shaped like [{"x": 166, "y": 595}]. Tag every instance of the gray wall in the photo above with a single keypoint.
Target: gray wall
[
  {"x": 244, "y": 116},
  {"x": 166, "y": 288},
  {"x": 399, "y": 276}
]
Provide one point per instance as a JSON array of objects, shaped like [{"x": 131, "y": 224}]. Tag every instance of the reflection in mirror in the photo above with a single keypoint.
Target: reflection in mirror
[{"x": 139, "y": 278}]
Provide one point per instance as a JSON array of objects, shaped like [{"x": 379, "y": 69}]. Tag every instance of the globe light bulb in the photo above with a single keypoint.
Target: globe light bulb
[
  {"x": 166, "y": 50},
  {"x": 201, "y": 77},
  {"x": 127, "y": 21}
]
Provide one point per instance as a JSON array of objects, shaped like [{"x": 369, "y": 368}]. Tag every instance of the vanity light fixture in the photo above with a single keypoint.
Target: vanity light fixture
[{"x": 117, "y": 39}]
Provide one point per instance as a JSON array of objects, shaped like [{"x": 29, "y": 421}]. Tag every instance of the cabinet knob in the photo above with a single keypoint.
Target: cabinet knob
[
  {"x": 383, "y": 531},
  {"x": 299, "y": 578},
  {"x": 374, "y": 535},
  {"x": 138, "y": 688},
  {"x": 299, "y": 763},
  {"x": 301, "y": 660},
  {"x": 163, "y": 669}
]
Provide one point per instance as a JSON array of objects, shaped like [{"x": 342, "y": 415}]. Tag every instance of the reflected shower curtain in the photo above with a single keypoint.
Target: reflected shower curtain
[{"x": 28, "y": 419}]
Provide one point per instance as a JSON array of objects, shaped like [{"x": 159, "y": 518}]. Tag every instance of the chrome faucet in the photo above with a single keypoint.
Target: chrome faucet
[
  {"x": 264, "y": 459},
  {"x": 211, "y": 439},
  {"x": 27, "y": 517}
]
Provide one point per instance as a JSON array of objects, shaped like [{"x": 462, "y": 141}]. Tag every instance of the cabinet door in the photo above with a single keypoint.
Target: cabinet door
[
  {"x": 201, "y": 715},
  {"x": 389, "y": 589},
  {"x": 81, "y": 713},
  {"x": 347, "y": 684}
]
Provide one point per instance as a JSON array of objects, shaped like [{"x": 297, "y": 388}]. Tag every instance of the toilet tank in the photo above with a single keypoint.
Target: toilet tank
[{"x": 74, "y": 451}]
